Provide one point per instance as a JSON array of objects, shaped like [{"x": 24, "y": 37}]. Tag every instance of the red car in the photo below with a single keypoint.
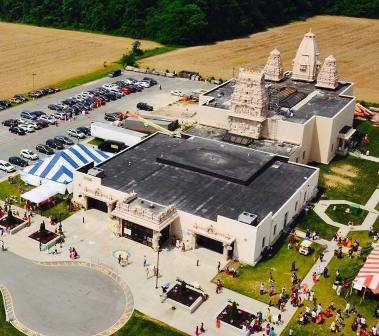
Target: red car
[{"x": 124, "y": 91}]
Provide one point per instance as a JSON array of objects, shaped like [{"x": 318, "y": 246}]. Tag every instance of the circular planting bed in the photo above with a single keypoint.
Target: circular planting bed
[{"x": 344, "y": 213}]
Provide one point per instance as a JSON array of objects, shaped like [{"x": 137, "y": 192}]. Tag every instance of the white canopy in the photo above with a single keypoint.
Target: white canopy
[{"x": 39, "y": 194}]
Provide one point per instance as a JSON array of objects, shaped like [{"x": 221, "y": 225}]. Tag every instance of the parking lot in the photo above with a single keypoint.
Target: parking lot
[{"x": 11, "y": 144}]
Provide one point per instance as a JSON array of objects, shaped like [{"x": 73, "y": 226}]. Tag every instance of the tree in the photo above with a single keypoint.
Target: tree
[
  {"x": 10, "y": 218},
  {"x": 42, "y": 230},
  {"x": 233, "y": 310},
  {"x": 183, "y": 288}
]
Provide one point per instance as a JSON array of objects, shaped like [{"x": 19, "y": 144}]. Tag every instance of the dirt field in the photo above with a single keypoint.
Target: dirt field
[
  {"x": 54, "y": 55},
  {"x": 354, "y": 42}
]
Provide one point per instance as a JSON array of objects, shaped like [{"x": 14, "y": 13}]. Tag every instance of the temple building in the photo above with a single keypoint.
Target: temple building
[
  {"x": 233, "y": 200},
  {"x": 305, "y": 114}
]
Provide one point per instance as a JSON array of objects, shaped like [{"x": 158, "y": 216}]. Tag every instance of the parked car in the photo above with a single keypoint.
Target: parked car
[
  {"x": 114, "y": 73},
  {"x": 44, "y": 149},
  {"x": 18, "y": 161},
  {"x": 5, "y": 103},
  {"x": 111, "y": 116},
  {"x": 54, "y": 144},
  {"x": 49, "y": 119},
  {"x": 177, "y": 93},
  {"x": 6, "y": 166},
  {"x": 28, "y": 115},
  {"x": 35, "y": 125},
  {"x": 64, "y": 139},
  {"x": 85, "y": 130},
  {"x": 149, "y": 80},
  {"x": 143, "y": 84},
  {"x": 27, "y": 128},
  {"x": 42, "y": 123},
  {"x": 28, "y": 154},
  {"x": 39, "y": 113},
  {"x": 17, "y": 130},
  {"x": 76, "y": 133},
  {"x": 145, "y": 107},
  {"x": 17, "y": 99},
  {"x": 59, "y": 115},
  {"x": 10, "y": 123}
]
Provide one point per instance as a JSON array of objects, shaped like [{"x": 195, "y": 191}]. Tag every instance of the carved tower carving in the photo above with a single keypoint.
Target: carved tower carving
[
  {"x": 306, "y": 63},
  {"x": 249, "y": 104},
  {"x": 328, "y": 75},
  {"x": 274, "y": 68}
]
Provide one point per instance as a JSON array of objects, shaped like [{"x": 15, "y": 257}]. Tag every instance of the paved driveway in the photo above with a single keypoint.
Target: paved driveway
[{"x": 61, "y": 301}]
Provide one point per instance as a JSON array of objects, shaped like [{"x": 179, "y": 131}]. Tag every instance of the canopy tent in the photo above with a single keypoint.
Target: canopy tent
[
  {"x": 368, "y": 276},
  {"x": 57, "y": 171},
  {"x": 39, "y": 194}
]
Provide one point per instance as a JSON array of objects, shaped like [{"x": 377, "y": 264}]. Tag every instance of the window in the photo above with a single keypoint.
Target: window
[
  {"x": 285, "y": 219},
  {"x": 332, "y": 147},
  {"x": 305, "y": 196},
  {"x": 303, "y": 155},
  {"x": 263, "y": 242},
  {"x": 296, "y": 206},
  {"x": 274, "y": 229},
  {"x": 303, "y": 67},
  {"x": 297, "y": 160}
]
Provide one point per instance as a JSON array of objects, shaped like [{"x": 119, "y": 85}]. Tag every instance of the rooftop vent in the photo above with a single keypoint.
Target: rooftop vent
[
  {"x": 276, "y": 165},
  {"x": 248, "y": 218},
  {"x": 96, "y": 172}
]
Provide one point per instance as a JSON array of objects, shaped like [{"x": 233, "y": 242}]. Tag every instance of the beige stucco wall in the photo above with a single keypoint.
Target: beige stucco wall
[{"x": 212, "y": 116}]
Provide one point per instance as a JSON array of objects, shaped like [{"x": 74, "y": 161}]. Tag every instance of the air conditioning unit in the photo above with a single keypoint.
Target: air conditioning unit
[
  {"x": 96, "y": 172},
  {"x": 248, "y": 218}
]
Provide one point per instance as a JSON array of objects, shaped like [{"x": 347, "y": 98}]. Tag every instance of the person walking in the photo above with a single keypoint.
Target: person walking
[
  {"x": 147, "y": 272},
  {"x": 218, "y": 267},
  {"x": 197, "y": 331},
  {"x": 314, "y": 276},
  {"x": 119, "y": 258},
  {"x": 262, "y": 288},
  {"x": 347, "y": 308},
  {"x": 321, "y": 256},
  {"x": 144, "y": 261},
  {"x": 202, "y": 327},
  {"x": 293, "y": 267}
]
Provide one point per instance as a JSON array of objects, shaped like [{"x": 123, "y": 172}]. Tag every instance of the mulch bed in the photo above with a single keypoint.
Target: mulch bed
[
  {"x": 16, "y": 222},
  {"x": 188, "y": 299},
  {"x": 47, "y": 238},
  {"x": 238, "y": 321}
]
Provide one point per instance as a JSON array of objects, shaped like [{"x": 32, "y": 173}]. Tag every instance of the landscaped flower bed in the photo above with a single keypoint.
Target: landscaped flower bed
[
  {"x": 185, "y": 296},
  {"x": 13, "y": 226},
  {"x": 236, "y": 318},
  {"x": 48, "y": 239}
]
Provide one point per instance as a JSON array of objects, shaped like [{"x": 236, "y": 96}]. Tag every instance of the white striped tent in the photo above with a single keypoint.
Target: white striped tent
[{"x": 57, "y": 171}]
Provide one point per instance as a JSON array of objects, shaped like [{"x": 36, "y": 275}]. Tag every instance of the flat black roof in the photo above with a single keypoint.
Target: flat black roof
[
  {"x": 205, "y": 177},
  {"x": 288, "y": 93}
]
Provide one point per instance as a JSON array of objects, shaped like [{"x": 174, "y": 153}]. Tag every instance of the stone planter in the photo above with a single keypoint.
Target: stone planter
[
  {"x": 48, "y": 241},
  {"x": 237, "y": 322},
  {"x": 14, "y": 227},
  {"x": 189, "y": 302}
]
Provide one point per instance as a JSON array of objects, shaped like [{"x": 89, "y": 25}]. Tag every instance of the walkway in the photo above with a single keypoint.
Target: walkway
[
  {"x": 61, "y": 300},
  {"x": 365, "y": 157}
]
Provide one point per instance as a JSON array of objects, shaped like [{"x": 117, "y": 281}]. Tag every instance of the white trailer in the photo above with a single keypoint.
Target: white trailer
[{"x": 109, "y": 132}]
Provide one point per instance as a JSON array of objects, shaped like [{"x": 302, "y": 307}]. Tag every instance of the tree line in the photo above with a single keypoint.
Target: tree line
[{"x": 178, "y": 22}]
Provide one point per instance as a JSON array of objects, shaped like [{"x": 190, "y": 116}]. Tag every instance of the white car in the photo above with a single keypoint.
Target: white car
[
  {"x": 27, "y": 128},
  {"x": 49, "y": 119},
  {"x": 144, "y": 84},
  {"x": 60, "y": 115},
  {"x": 76, "y": 133},
  {"x": 177, "y": 93},
  {"x": 35, "y": 125},
  {"x": 28, "y": 154},
  {"x": 109, "y": 86},
  {"x": 6, "y": 166}
]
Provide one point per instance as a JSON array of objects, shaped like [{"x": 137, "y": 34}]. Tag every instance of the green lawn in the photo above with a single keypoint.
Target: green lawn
[
  {"x": 365, "y": 127},
  {"x": 249, "y": 279},
  {"x": 313, "y": 222},
  {"x": 142, "y": 325},
  {"x": 6, "y": 329},
  {"x": 96, "y": 141},
  {"x": 59, "y": 210},
  {"x": 324, "y": 294},
  {"x": 357, "y": 216},
  {"x": 7, "y": 189},
  {"x": 350, "y": 179}
]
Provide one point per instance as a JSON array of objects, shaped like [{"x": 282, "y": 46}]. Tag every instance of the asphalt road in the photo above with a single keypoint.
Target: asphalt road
[
  {"x": 61, "y": 301},
  {"x": 11, "y": 144}
]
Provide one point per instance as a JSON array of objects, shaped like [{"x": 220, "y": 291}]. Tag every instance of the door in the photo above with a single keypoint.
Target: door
[
  {"x": 210, "y": 244},
  {"x": 96, "y": 204}
]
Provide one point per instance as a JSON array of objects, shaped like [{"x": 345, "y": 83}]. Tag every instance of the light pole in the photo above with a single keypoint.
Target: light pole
[
  {"x": 156, "y": 279},
  {"x": 33, "y": 75}
]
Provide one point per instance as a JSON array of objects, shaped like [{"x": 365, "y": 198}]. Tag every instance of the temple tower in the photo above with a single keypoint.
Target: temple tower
[
  {"x": 248, "y": 104},
  {"x": 306, "y": 63},
  {"x": 274, "y": 68},
  {"x": 328, "y": 75}
]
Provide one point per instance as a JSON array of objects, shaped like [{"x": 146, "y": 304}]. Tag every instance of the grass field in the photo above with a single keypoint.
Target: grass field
[
  {"x": 313, "y": 222},
  {"x": 354, "y": 42},
  {"x": 366, "y": 127},
  {"x": 341, "y": 217},
  {"x": 351, "y": 179},
  {"x": 325, "y": 294},
  {"x": 54, "y": 55},
  {"x": 249, "y": 279}
]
